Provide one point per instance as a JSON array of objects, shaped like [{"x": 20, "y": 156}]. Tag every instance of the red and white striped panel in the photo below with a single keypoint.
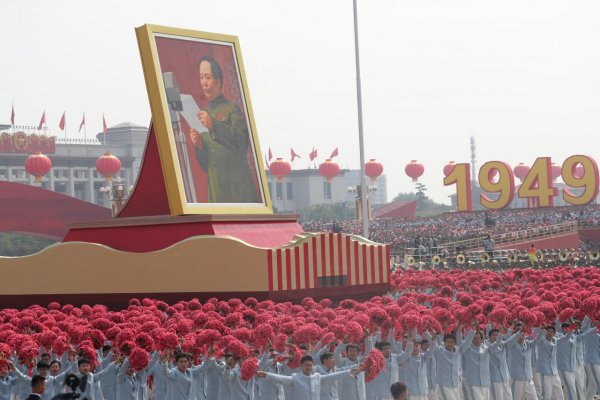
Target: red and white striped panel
[{"x": 301, "y": 264}]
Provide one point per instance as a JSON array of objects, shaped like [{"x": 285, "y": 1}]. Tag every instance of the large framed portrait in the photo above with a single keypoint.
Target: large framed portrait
[{"x": 203, "y": 122}]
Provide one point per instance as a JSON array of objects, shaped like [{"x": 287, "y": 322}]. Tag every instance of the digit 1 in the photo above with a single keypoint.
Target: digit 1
[{"x": 461, "y": 176}]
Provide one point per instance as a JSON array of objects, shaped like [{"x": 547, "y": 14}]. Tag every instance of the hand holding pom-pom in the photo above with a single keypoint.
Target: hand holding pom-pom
[
  {"x": 373, "y": 364},
  {"x": 249, "y": 368}
]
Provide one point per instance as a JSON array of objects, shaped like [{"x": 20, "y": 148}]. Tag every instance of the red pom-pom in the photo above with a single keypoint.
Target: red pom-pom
[
  {"x": 207, "y": 337},
  {"x": 125, "y": 335},
  {"x": 144, "y": 341},
  {"x": 5, "y": 350},
  {"x": 527, "y": 317},
  {"x": 499, "y": 315},
  {"x": 47, "y": 339},
  {"x": 168, "y": 340},
  {"x": 280, "y": 342},
  {"x": 90, "y": 354},
  {"x": 98, "y": 338},
  {"x": 138, "y": 359},
  {"x": 60, "y": 345},
  {"x": 411, "y": 320},
  {"x": 126, "y": 347},
  {"x": 238, "y": 348},
  {"x": 377, "y": 315},
  {"x": 373, "y": 364},
  {"x": 295, "y": 355},
  {"x": 566, "y": 314},
  {"x": 262, "y": 334},
  {"x": 307, "y": 334},
  {"x": 355, "y": 331},
  {"x": 249, "y": 368}
]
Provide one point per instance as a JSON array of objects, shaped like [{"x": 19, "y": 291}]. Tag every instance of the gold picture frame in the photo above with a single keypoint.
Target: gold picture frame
[{"x": 205, "y": 142}]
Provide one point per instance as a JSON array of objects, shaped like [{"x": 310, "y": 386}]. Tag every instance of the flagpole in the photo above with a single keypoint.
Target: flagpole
[
  {"x": 104, "y": 133},
  {"x": 85, "y": 136},
  {"x": 66, "y": 140},
  {"x": 361, "y": 143}
]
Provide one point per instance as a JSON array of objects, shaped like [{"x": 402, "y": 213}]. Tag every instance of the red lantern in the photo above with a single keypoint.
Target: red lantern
[
  {"x": 38, "y": 165},
  {"x": 521, "y": 171},
  {"x": 108, "y": 165},
  {"x": 414, "y": 170},
  {"x": 329, "y": 170},
  {"x": 556, "y": 171},
  {"x": 373, "y": 169},
  {"x": 448, "y": 168},
  {"x": 280, "y": 169}
]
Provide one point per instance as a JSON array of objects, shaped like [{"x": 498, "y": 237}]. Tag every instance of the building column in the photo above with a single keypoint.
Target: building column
[
  {"x": 71, "y": 183},
  {"x": 91, "y": 191},
  {"x": 51, "y": 179},
  {"x": 10, "y": 174}
]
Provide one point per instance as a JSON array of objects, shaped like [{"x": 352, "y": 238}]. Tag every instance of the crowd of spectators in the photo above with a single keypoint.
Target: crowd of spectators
[{"x": 437, "y": 231}]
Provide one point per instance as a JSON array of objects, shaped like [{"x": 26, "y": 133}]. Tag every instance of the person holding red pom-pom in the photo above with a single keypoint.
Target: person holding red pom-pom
[
  {"x": 519, "y": 350},
  {"x": 268, "y": 390},
  {"x": 379, "y": 387},
  {"x": 499, "y": 374},
  {"x": 448, "y": 359},
  {"x": 546, "y": 345},
  {"x": 477, "y": 367},
  {"x": 240, "y": 378},
  {"x": 327, "y": 366},
  {"x": 415, "y": 369},
  {"x": 591, "y": 340},
  {"x": 131, "y": 381},
  {"x": 181, "y": 379},
  {"x": 306, "y": 384},
  {"x": 353, "y": 387}
]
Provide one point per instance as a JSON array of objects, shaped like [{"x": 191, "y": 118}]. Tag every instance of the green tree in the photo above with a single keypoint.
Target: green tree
[
  {"x": 425, "y": 206},
  {"x": 327, "y": 212},
  {"x": 16, "y": 245}
]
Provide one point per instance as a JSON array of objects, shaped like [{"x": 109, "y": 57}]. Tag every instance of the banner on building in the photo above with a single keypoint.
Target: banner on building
[{"x": 20, "y": 142}]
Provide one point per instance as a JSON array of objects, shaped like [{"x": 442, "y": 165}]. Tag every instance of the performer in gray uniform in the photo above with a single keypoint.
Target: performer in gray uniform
[{"x": 306, "y": 384}]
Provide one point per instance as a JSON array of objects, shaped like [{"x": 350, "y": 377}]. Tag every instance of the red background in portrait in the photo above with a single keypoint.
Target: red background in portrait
[{"x": 181, "y": 57}]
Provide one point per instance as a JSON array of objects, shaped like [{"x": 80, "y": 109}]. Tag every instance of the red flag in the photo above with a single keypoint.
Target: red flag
[
  {"x": 294, "y": 155},
  {"x": 62, "y": 122},
  {"x": 334, "y": 153},
  {"x": 270, "y": 154},
  {"x": 81, "y": 125},
  {"x": 104, "y": 127},
  {"x": 12, "y": 115},
  {"x": 42, "y": 121},
  {"x": 313, "y": 154}
]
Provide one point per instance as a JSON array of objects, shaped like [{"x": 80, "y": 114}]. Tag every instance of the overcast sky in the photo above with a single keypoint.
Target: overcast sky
[{"x": 521, "y": 76}]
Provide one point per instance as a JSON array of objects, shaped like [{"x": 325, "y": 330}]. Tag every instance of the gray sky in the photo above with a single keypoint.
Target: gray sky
[{"x": 522, "y": 76}]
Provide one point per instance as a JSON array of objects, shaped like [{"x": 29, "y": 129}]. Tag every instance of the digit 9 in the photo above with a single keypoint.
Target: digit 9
[
  {"x": 586, "y": 179},
  {"x": 505, "y": 185}
]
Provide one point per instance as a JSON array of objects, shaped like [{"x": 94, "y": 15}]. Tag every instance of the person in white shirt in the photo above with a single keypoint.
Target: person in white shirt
[
  {"x": 306, "y": 384},
  {"x": 181, "y": 379}
]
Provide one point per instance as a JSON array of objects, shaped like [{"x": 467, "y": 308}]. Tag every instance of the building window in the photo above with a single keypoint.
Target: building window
[
  {"x": 327, "y": 190},
  {"x": 289, "y": 189},
  {"x": 332, "y": 281},
  {"x": 279, "y": 190}
]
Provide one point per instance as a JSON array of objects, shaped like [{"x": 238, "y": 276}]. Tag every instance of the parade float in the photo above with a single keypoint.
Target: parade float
[{"x": 199, "y": 221}]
